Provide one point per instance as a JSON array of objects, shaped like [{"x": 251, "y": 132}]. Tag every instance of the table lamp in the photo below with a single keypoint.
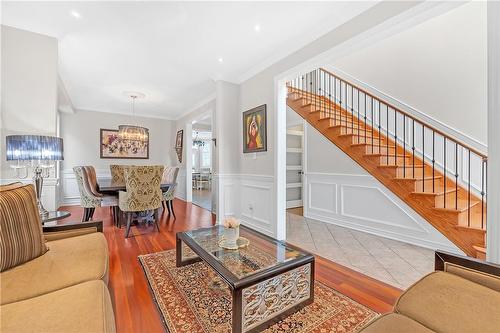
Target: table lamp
[{"x": 38, "y": 152}]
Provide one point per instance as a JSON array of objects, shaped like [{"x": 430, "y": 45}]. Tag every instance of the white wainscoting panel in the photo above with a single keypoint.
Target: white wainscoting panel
[
  {"x": 69, "y": 193},
  {"x": 360, "y": 202},
  {"x": 257, "y": 203},
  {"x": 226, "y": 186},
  {"x": 323, "y": 197}
]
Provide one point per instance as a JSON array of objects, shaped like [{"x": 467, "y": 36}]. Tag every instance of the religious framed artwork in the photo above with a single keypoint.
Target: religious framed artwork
[
  {"x": 111, "y": 146},
  {"x": 255, "y": 129},
  {"x": 178, "y": 144}
]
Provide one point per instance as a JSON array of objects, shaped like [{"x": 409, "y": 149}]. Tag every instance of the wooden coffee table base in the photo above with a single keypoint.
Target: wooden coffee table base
[{"x": 266, "y": 298}]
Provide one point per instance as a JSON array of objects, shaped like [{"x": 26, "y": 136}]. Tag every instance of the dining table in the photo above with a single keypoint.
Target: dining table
[{"x": 107, "y": 186}]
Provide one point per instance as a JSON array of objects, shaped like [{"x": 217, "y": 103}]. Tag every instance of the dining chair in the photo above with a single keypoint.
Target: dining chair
[
  {"x": 170, "y": 176},
  {"x": 108, "y": 200},
  {"x": 90, "y": 198},
  {"x": 143, "y": 192},
  {"x": 205, "y": 179},
  {"x": 117, "y": 173}
]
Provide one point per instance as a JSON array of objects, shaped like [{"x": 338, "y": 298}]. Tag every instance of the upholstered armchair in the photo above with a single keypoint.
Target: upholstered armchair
[
  {"x": 143, "y": 192},
  {"x": 90, "y": 198},
  {"x": 170, "y": 176}
]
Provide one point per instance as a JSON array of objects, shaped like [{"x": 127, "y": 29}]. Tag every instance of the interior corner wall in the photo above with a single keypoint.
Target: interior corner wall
[
  {"x": 180, "y": 124},
  {"x": 81, "y": 134},
  {"x": 28, "y": 95},
  {"x": 226, "y": 131},
  {"x": 438, "y": 67},
  {"x": 339, "y": 191}
]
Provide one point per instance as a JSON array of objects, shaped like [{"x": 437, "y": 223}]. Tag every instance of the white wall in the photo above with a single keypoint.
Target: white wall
[
  {"x": 81, "y": 134},
  {"x": 339, "y": 191},
  {"x": 29, "y": 95},
  {"x": 438, "y": 67}
]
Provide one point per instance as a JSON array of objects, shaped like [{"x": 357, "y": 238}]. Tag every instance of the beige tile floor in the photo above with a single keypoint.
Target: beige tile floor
[{"x": 396, "y": 263}]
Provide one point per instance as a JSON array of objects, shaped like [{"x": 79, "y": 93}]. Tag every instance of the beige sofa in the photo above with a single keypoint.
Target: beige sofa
[
  {"x": 461, "y": 296},
  {"x": 63, "y": 290}
]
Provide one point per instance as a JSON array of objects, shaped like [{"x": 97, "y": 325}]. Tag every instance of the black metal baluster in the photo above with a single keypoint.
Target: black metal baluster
[
  {"x": 413, "y": 147},
  {"x": 433, "y": 162},
  {"x": 395, "y": 138},
  {"x": 444, "y": 154},
  {"x": 387, "y": 133},
  {"x": 482, "y": 192},
  {"x": 404, "y": 145},
  {"x": 330, "y": 97},
  {"x": 358, "y": 116},
  {"x": 339, "y": 114},
  {"x": 423, "y": 156},
  {"x": 372, "y": 122},
  {"x": 365, "y": 122},
  {"x": 468, "y": 195},
  {"x": 379, "y": 128},
  {"x": 456, "y": 175},
  {"x": 352, "y": 110}
]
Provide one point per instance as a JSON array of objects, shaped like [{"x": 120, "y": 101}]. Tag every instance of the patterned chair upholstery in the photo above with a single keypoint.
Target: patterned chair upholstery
[
  {"x": 143, "y": 192},
  {"x": 170, "y": 176},
  {"x": 117, "y": 173},
  {"x": 90, "y": 198}
]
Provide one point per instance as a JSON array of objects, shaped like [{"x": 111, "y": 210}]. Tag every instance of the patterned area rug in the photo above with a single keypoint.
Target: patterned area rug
[{"x": 193, "y": 299}]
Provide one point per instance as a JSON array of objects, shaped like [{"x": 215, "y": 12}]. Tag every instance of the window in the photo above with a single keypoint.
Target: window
[{"x": 206, "y": 155}]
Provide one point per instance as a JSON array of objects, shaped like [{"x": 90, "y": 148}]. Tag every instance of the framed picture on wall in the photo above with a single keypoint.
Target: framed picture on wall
[
  {"x": 111, "y": 146},
  {"x": 255, "y": 130},
  {"x": 178, "y": 139},
  {"x": 178, "y": 144}
]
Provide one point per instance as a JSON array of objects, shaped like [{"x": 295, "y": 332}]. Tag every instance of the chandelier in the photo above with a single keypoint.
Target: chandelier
[
  {"x": 133, "y": 132},
  {"x": 197, "y": 141}
]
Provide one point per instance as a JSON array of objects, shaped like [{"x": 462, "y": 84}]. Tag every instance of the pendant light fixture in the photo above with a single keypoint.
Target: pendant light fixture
[
  {"x": 197, "y": 141},
  {"x": 133, "y": 132}
]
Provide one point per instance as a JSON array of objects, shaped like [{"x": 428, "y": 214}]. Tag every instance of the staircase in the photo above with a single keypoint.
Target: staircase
[{"x": 441, "y": 178}]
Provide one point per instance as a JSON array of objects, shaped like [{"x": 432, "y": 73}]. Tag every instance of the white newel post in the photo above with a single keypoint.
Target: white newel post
[{"x": 493, "y": 233}]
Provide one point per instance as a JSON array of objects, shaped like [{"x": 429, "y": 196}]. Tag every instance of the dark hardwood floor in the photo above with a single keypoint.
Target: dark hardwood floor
[{"x": 133, "y": 304}]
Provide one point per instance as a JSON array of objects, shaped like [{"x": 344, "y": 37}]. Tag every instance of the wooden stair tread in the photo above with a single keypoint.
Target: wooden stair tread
[
  {"x": 418, "y": 178},
  {"x": 401, "y": 166},
  {"x": 436, "y": 192},
  {"x": 462, "y": 206},
  {"x": 479, "y": 248}
]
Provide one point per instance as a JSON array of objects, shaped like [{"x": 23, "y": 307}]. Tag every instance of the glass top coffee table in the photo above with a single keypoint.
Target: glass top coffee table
[{"x": 268, "y": 279}]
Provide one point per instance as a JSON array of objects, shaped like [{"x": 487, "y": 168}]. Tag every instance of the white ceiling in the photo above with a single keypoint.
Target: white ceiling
[{"x": 169, "y": 50}]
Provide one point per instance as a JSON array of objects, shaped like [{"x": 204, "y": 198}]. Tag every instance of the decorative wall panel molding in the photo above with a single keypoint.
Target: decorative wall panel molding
[{"x": 366, "y": 205}]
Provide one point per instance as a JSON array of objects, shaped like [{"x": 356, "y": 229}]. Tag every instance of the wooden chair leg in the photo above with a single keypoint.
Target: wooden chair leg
[
  {"x": 91, "y": 215},
  {"x": 172, "y": 208},
  {"x": 155, "y": 217},
  {"x": 129, "y": 222},
  {"x": 85, "y": 217},
  {"x": 168, "y": 207}
]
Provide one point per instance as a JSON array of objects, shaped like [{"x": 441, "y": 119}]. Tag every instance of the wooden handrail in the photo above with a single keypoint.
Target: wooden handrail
[{"x": 475, "y": 151}]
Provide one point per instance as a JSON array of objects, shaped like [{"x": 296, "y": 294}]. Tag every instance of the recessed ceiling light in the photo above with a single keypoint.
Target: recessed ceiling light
[
  {"x": 220, "y": 60},
  {"x": 256, "y": 28},
  {"x": 75, "y": 14}
]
